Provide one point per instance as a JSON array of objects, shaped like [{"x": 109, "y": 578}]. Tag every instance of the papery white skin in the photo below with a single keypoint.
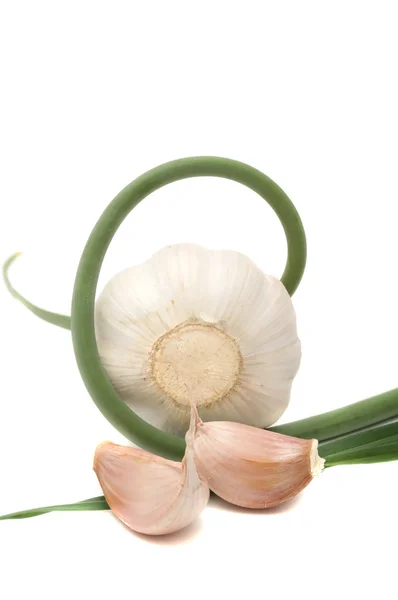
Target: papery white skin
[
  {"x": 253, "y": 468},
  {"x": 246, "y": 365},
  {"x": 150, "y": 494}
]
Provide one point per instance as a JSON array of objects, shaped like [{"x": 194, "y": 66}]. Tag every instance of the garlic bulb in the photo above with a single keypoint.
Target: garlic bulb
[
  {"x": 196, "y": 317},
  {"x": 251, "y": 467},
  {"x": 150, "y": 494}
]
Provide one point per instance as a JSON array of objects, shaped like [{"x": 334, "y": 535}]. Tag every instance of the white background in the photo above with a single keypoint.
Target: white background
[{"x": 92, "y": 95}]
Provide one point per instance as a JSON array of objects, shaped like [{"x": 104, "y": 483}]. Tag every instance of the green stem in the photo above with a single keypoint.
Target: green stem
[
  {"x": 344, "y": 420},
  {"x": 371, "y": 436},
  {"x": 365, "y": 455},
  {"x": 98, "y": 503},
  {"x": 51, "y": 317}
]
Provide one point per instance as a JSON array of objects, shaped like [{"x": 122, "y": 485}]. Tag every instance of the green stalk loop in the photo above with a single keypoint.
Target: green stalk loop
[{"x": 82, "y": 324}]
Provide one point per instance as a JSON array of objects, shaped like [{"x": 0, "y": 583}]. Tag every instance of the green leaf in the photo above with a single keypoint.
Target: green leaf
[
  {"x": 51, "y": 317},
  {"x": 372, "y": 435},
  {"x": 384, "y": 452},
  {"x": 97, "y": 503}
]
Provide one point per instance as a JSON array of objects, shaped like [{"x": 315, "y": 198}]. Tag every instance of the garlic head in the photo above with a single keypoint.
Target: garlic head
[{"x": 207, "y": 320}]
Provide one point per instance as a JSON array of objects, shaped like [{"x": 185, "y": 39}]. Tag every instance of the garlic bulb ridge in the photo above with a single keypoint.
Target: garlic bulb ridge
[{"x": 194, "y": 315}]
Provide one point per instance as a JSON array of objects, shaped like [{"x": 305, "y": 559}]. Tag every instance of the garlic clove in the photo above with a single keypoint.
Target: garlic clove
[
  {"x": 212, "y": 316},
  {"x": 253, "y": 468},
  {"x": 150, "y": 494}
]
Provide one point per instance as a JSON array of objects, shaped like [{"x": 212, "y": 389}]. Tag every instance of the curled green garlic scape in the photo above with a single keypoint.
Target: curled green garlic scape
[
  {"x": 347, "y": 421},
  {"x": 82, "y": 320}
]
